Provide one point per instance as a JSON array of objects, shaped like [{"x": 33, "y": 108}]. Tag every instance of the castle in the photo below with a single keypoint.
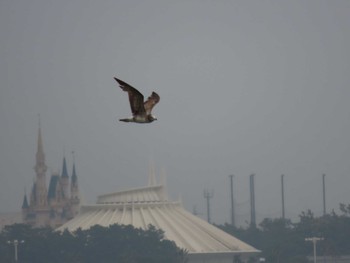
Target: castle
[{"x": 55, "y": 205}]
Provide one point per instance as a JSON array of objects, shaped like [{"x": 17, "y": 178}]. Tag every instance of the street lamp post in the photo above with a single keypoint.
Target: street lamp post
[
  {"x": 314, "y": 241},
  {"x": 15, "y": 243}
]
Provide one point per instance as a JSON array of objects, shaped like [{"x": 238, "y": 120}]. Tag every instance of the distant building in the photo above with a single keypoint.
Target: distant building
[
  {"x": 55, "y": 205},
  {"x": 11, "y": 218},
  {"x": 141, "y": 207}
]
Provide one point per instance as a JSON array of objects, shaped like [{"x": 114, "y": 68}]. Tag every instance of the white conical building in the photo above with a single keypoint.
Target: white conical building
[{"x": 149, "y": 205}]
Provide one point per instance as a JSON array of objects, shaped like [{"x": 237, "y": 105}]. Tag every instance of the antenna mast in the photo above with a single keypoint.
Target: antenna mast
[
  {"x": 232, "y": 202},
  {"x": 252, "y": 202},
  {"x": 208, "y": 195}
]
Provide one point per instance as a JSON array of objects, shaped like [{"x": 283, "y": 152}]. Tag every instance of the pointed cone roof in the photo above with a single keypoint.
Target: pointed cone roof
[
  {"x": 25, "y": 202},
  {"x": 40, "y": 141},
  {"x": 74, "y": 179},
  {"x": 40, "y": 156},
  {"x": 54, "y": 181},
  {"x": 64, "y": 169},
  {"x": 74, "y": 175}
]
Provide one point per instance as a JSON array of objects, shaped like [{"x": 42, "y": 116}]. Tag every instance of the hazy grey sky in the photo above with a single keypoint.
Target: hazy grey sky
[{"x": 246, "y": 87}]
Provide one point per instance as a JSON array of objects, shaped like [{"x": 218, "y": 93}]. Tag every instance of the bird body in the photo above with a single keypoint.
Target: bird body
[{"x": 141, "y": 110}]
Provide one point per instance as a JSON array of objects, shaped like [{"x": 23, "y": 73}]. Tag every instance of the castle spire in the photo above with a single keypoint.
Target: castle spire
[
  {"x": 74, "y": 183},
  {"x": 40, "y": 194},
  {"x": 74, "y": 175},
  {"x": 40, "y": 166},
  {"x": 25, "y": 204},
  {"x": 65, "y": 179},
  {"x": 64, "y": 169}
]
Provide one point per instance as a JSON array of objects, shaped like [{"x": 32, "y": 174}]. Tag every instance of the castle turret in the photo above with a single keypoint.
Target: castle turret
[
  {"x": 55, "y": 194},
  {"x": 57, "y": 201},
  {"x": 25, "y": 207},
  {"x": 40, "y": 170},
  {"x": 74, "y": 192},
  {"x": 25, "y": 204},
  {"x": 65, "y": 180}
]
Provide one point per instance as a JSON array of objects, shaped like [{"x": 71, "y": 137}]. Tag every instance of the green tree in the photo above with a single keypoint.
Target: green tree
[
  {"x": 115, "y": 243},
  {"x": 280, "y": 240}
]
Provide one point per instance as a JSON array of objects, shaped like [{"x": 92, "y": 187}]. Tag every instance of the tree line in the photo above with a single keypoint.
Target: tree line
[
  {"x": 280, "y": 240},
  {"x": 116, "y": 243}
]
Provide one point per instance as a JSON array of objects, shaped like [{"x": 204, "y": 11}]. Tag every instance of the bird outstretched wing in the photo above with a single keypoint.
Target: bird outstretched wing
[
  {"x": 151, "y": 102},
  {"x": 135, "y": 97}
]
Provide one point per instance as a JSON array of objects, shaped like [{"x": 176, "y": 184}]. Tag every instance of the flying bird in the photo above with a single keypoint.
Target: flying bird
[{"x": 141, "y": 110}]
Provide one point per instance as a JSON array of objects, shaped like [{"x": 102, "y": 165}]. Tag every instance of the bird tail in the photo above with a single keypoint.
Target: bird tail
[{"x": 124, "y": 120}]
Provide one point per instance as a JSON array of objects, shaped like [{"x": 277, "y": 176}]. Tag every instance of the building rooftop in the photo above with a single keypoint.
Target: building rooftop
[{"x": 146, "y": 206}]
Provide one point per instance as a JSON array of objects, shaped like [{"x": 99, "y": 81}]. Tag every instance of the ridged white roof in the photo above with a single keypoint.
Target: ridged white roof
[
  {"x": 138, "y": 195},
  {"x": 149, "y": 206}
]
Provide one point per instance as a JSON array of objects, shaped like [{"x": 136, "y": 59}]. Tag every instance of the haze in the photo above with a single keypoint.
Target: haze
[{"x": 246, "y": 87}]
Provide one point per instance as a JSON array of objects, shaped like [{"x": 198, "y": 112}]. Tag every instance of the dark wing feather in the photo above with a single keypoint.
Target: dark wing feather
[
  {"x": 151, "y": 102},
  {"x": 135, "y": 97}
]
